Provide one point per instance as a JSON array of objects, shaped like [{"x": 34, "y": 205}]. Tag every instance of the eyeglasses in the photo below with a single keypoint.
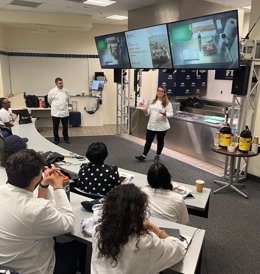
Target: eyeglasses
[
  {"x": 160, "y": 90},
  {"x": 8, "y": 102}
]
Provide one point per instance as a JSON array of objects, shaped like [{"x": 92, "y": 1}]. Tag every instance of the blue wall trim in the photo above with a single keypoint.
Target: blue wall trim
[{"x": 56, "y": 55}]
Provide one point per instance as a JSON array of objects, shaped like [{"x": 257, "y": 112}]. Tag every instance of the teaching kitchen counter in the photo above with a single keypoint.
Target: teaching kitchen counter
[{"x": 189, "y": 134}]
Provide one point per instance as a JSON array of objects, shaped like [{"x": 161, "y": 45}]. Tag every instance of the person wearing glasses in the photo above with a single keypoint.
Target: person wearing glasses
[
  {"x": 58, "y": 98},
  {"x": 6, "y": 117},
  {"x": 159, "y": 110}
]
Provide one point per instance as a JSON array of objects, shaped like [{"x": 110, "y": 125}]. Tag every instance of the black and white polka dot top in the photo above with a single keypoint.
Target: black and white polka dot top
[{"x": 98, "y": 179}]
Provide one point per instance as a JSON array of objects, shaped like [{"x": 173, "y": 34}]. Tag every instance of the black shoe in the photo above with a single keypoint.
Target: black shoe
[
  {"x": 140, "y": 158},
  {"x": 56, "y": 142},
  {"x": 156, "y": 158},
  {"x": 67, "y": 141}
]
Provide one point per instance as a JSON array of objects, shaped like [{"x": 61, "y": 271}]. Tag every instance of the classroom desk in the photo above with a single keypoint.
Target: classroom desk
[
  {"x": 232, "y": 173},
  {"x": 199, "y": 205},
  {"x": 189, "y": 265}
]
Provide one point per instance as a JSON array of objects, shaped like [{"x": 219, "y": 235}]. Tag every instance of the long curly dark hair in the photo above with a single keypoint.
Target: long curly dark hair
[{"x": 124, "y": 213}]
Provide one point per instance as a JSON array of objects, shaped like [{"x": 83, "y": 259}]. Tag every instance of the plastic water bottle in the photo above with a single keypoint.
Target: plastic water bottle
[{"x": 40, "y": 103}]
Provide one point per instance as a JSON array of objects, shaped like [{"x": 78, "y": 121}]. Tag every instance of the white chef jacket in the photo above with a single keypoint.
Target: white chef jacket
[
  {"x": 59, "y": 100},
  {"x": 27, "y": 227},
  {"x": 5, "y": 116},
  {"x": 157, "y": 121},
  {"x": 166, "y": 204},
  {"x": 153, "y": 256}
]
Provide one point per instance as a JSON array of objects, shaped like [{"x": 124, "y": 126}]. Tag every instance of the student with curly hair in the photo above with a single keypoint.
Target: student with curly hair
[
  {"x": 163, "y": 201},
  {"x": 124, "y": 242}
]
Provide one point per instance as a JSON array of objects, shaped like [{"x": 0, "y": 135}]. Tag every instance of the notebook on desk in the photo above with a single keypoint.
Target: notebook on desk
[
  {"x": 127, "y": 177},
  {"x": 174, "y": 232}
]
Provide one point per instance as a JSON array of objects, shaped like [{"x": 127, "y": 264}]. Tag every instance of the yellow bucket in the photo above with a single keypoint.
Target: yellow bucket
[
  {"x": 225, "y": 139},
  {"x": 244, "y": 144}
]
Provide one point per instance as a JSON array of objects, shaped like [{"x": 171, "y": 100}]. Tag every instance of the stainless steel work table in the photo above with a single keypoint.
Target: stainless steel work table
[{"x": 189, "y": 134}]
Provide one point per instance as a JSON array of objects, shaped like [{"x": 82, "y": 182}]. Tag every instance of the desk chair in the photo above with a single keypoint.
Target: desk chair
[{"x": 86, "y": 194}]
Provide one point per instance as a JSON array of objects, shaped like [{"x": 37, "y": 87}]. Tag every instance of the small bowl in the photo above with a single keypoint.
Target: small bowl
[{"x": 231, "y": 148}]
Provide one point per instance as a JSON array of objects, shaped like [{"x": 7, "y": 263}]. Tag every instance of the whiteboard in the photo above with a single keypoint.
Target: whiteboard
[{"x": 36, "y": 75}]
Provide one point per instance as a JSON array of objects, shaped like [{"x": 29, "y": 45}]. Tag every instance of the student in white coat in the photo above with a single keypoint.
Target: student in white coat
[
  {"x": 28, "y": 223},
  {"x": 163, "y": 201},
  {"x": 125, "y": 243}
]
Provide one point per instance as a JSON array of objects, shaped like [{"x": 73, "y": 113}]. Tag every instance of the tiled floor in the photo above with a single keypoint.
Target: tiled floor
[{"x": 111, "y": 130}]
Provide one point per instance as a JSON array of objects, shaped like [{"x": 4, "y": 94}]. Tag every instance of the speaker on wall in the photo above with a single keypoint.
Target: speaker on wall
[
  {"x": 240, "y": 81},
  {"x": 117, "y": 76}
]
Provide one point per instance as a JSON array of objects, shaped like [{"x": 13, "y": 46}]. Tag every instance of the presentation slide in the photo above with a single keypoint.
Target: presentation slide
[
  {"x": 149, "y": 47},
  {"x": 112, "y": 51},
  {"x": 208, "y": 42}
]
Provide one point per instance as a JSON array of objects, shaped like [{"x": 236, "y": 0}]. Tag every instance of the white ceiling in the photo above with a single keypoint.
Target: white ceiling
[{"x": 121, "y": 7}]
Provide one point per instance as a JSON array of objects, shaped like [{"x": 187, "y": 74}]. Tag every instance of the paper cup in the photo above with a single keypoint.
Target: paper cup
[
  {"x": 231, "y": 148},
  {"x": 199, "y": 185}
]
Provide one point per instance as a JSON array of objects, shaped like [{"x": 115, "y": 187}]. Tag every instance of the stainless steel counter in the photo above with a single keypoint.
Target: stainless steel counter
[{"x": 189, "y": 134}]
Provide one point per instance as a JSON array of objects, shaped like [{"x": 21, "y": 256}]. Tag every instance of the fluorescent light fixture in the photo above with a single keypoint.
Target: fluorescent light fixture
[
  {"x": 117, "y": 17},
  {"x": 247, "y": 7},
  {"x": 101, "y": 3}
]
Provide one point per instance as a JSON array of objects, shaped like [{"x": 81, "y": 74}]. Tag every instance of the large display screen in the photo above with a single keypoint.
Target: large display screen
[
  {"x": 112, "y": 51},
  {"x": 149, "y": 48},
  {"x": 208, "y": 42}
]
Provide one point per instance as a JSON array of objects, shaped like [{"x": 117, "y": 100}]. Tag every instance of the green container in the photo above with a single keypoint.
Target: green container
[{"x": 66, "y": 185}]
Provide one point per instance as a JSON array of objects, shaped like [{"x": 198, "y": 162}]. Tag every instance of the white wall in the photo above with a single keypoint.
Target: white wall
[
  {"x": 5, "y": 81},
  {"x": 2, "y": 45},
  {"x": 219, "y": 90},
  {"x": 35, "y": 75}
]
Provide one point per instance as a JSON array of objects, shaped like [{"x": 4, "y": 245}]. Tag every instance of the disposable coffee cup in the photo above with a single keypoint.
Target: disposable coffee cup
[{"x": 199, "y": 185}]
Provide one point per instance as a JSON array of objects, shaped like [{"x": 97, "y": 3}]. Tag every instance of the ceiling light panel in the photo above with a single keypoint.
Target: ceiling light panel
[
  {"x": 101, "y": 3},
  {"x": 117, "y": 17}
]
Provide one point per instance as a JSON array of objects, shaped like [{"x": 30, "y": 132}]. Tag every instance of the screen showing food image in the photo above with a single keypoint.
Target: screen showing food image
[
  {"x": 208, "y": 42},
  {"x": 149, "y": 47},
  {"x": 112, "y": 51}
]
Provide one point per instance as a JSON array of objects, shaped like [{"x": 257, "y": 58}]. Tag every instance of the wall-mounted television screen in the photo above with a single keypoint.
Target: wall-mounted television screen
[
  {"x": 208, "y": 42},
  {"x": 149, "y": 48},
  {"x": 112, "y": 51}
]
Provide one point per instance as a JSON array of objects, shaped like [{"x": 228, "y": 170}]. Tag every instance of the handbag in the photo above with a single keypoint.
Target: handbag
[
  {"x": 88, "y": 205},
  {"x": 24, "y": 116},
  {"x": 53, "y": 157}
]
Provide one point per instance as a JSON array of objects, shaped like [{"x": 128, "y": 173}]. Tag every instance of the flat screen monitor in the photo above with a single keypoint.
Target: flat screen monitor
[
  {"x": 208, "y": 42},
  {"x": 97, "y": 85},
  {"x": 149, "y": 48},
  {"x": 112, "y": 51}
]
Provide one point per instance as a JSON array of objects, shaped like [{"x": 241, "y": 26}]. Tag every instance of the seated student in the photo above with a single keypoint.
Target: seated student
[
  {"x": 11, "y": 144},
  {"x": 27, "y": 223},
  {"x": 163, "y": 202},
  {"x": 6, "y": 117},
  {"x": 125, "y": 243},
  {"x": 96, "y": 177}
]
